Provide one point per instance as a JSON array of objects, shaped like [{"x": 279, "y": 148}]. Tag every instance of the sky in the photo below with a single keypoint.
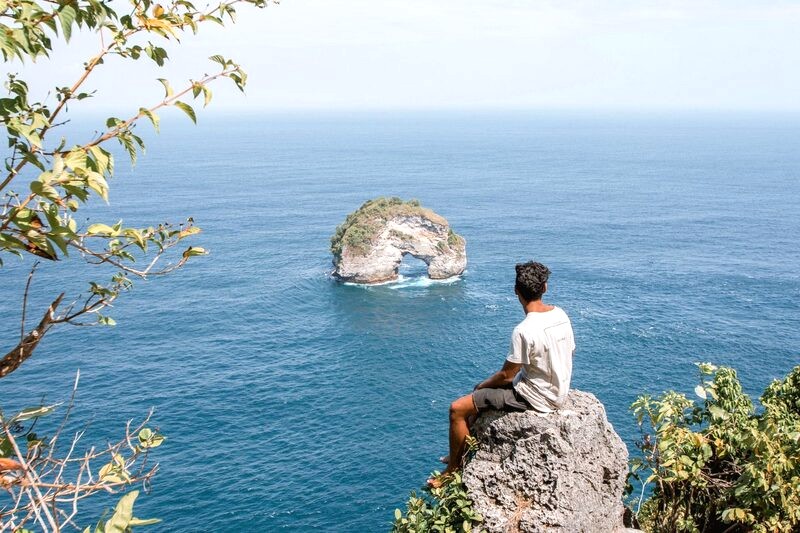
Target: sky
[{"x": 633, "y": 55}]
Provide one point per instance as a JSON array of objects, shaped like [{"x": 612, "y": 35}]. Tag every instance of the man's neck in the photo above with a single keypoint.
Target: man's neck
[{"x": 537, "y": 306}]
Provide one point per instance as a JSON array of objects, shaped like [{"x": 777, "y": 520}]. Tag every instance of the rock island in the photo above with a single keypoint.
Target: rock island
[{"x": 370, "y": 244}]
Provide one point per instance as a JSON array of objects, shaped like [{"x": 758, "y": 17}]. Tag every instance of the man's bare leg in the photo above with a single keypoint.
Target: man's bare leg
[
  {"x": 471, "y": 420},
  {"x": 461, "y": 411}
]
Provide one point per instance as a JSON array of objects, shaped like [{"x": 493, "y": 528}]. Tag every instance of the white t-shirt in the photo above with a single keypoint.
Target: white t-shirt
[{"x": 543, "y": 343}]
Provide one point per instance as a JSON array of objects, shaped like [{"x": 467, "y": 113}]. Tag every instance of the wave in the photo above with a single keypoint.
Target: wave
[{"x": 407, "y": 282}]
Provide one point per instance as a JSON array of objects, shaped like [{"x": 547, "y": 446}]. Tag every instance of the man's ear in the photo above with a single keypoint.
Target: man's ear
[{"x": 544, "y": 289}]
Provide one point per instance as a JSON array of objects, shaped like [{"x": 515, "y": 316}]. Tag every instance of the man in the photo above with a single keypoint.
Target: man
[{"x": 536, "y": 373}]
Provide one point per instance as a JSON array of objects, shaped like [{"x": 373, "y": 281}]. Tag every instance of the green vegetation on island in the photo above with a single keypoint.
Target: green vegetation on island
[{"x": 363, "y": 225}]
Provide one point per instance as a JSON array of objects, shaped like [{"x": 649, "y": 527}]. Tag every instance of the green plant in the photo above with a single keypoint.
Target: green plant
[
  {"x": 720, "y": 465},
  {"x": 47, "y": 180},
  {"x": 122, "y": 521},
  {"x": 445, "y": 509},
  {"x": 46, "y": 184}
]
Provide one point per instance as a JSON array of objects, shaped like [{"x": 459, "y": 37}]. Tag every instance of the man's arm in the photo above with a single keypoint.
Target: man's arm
[{"x": 502, "y": 377}]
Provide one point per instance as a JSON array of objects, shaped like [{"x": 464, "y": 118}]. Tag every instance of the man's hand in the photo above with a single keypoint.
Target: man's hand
[{"x": 502, "y": 377}]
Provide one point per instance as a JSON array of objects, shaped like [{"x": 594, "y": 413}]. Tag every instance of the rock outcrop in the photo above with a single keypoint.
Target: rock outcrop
[
  {"x": 562, "y": 472},
  {"x": 369, "y": 245}
]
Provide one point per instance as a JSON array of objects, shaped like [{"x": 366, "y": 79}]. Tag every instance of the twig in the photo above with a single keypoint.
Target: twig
[{"x": 25, "y": 302}]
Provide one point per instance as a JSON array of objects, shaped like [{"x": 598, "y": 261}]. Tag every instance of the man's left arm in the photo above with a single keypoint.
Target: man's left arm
[{"x": 502, "y": 377}]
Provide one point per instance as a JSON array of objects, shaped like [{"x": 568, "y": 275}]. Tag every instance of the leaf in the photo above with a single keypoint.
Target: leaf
[
  {"x": 194, "y": 250},
  {"x": 219, "y": 59},
  {"x": 34, "y": 412},
  {"x": 186, "y": 108},
  {"x": 75, "y": 159},
  {"x": 145, "y": 522},
  {"x": 99, "y": 229},
  {"x": 186, "y": 232},
  {"x": 66, "y": 17},
  {"x": 717, "y": 412},
  {"x": 123, "y": 514},
  {"x": 167, "y": 87},
  {"x": 700, "y": 391},
  {"x": 106, "y": 321},
  {"x": 152, "y": 116},
  {"x": 42, "y": 189}
]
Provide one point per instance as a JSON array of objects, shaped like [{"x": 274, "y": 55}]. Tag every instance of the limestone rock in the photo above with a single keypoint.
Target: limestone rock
[
  {"x": 560, "y": 472},
  {"x": 369, "y": 246}
]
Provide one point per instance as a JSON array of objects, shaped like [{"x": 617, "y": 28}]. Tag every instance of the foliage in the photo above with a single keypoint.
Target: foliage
[
  {"x": 46, "y": 478},
  {"x": 46, "y": 183},
  {"x": 444, "y": 509},
  {"x": 720, "y": 465},
  {"x": 363, "y": 225},
  {"x": 122, "y": 521}
]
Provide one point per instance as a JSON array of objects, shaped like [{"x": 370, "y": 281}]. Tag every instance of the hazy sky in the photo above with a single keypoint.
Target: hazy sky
[{"x": 393, "y": 54}]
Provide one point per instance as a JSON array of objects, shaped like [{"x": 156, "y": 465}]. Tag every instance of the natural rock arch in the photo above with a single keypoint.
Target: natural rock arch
[{"x": 370, "y": 244}]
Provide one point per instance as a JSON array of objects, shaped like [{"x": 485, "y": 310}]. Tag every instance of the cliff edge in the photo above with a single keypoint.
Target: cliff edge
[
  {"x": 369, "y": 245},
  {"x": 563, "y": 472}
]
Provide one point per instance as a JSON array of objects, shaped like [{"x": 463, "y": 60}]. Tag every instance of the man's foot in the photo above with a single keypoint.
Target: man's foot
[{"x": 445, "y": 459}]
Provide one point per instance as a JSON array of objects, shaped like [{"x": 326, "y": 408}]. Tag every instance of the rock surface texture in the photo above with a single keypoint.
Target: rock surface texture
[
  {"x": 563, "y": 472},
  {"x": 370, "y": 245}
]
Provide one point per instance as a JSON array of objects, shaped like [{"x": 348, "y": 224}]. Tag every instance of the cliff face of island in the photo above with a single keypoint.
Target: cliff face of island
[
  {"x": 564, "y": 471},
  {"x": 369, "y": 245}
]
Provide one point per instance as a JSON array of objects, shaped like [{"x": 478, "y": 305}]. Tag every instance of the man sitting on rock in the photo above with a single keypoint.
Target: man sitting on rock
[{"x": 536, "y": 373}]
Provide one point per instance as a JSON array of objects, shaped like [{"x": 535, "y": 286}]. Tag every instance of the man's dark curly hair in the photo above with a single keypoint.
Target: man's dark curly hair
[{"x": 531, "y": 277}]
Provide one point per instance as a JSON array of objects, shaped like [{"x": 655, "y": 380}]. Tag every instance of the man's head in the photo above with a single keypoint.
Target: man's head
[{"x": 531, "y": 281}]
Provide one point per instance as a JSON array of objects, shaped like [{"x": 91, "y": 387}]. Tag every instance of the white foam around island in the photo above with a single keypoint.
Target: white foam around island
[{"x": 411, "y": 282}]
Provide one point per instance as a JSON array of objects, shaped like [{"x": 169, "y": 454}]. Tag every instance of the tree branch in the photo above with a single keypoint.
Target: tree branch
[{"x": 24, "y": 349}]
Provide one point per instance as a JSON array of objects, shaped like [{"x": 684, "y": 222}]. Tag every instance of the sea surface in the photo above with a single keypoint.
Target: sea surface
[{"x": 295, "y": 403}]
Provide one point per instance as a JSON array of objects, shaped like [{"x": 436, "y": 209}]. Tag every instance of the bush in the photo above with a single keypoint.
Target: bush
[
  {"x": 445, "y": 509},
  {"x": 720, "y": 465}
]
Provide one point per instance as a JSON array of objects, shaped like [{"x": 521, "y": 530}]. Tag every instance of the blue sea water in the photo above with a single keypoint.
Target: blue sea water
[{"x": 295, "y": 403}]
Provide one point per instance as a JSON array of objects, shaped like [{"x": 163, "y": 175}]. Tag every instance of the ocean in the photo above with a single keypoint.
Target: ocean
[{"x": 294, "y": 403}]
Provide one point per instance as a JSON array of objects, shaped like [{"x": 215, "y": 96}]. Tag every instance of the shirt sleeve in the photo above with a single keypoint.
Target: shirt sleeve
[{"x": 518, "y": 353}]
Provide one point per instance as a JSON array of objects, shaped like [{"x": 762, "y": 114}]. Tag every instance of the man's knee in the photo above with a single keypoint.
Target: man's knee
[{"x": 462, "y": 408}]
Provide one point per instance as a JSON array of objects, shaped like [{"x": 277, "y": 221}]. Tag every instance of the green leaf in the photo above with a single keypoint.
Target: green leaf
[
  {"x": 167, "y": 87},
  {"x": 152, "y": 116},
  {"x": 219, "y": 59},
  {"x": 123, "y": 514},
  {"x": 75, "y": 159},
  {"x": 194, "y": 250},
  {"x": 186, "y": 108},
  {"x": 700, "y": 391},
  {"x": 34, "y": 412},
  {"x": 66, "y": 17},
  {"x": 99, "y": 229},
  {"x": 140, "y": 522},
  {"x": 42, "y": 189}
]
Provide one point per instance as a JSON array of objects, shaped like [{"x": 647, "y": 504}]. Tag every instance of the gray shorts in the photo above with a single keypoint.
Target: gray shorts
[{"x": 505, "y": 399}]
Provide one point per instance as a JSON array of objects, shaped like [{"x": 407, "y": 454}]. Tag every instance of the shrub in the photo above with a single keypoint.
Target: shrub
[
  {"x": 445, "y": 509},
  {"x": 721, "y": 465}
]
